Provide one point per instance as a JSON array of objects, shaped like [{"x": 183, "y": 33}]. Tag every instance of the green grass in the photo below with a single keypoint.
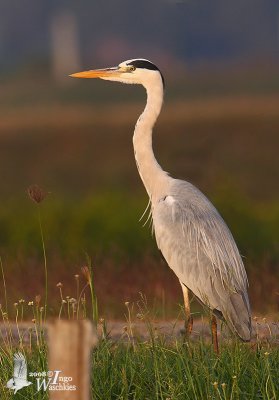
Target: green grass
[
  {"x": 147, "y": 364},
  {"x": 157, "y": 369}
]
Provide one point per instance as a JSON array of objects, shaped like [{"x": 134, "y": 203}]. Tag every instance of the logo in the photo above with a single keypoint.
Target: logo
[
  {"x": 45, "y": 380},
  {"x": 53, "y": 380},
  {"x": 19, "y": 379}
]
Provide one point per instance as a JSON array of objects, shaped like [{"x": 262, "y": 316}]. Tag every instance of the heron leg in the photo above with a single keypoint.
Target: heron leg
[
  {"x": 214, "y": 334},
  {"x": 188, "y": 316}
]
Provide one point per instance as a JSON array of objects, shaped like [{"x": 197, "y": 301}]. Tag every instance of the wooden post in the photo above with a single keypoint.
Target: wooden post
[
  {"x": 64, "y": 45},
  {"x": 70, "y": 344}
]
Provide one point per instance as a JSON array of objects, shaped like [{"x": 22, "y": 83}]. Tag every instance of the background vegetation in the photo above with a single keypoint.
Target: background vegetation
[{"x": 75, "y": 141}]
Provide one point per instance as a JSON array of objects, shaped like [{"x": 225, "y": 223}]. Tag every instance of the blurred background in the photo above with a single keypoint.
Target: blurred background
[{"x": 218, "y": 129}]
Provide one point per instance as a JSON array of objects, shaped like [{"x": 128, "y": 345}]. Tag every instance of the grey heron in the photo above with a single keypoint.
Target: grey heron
[{"x": 192, "y": 236}]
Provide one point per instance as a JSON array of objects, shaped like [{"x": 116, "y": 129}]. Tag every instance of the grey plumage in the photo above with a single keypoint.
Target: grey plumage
[{"x": 200, "y": 249}]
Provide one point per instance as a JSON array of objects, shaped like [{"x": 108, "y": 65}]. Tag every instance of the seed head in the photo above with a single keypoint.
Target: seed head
[
  {"x": 38, "y": 299},
  {"x": 36, "y": 193},
  {"x": 86, "y": 272},
  {"x": 30, "y": 303},
  {"x": 59, "y": 284}
]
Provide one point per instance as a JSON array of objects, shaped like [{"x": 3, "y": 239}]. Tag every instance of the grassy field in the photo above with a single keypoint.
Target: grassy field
[
  {"x": 159, "y": 370},
  {"x": 160, "y": 366}
]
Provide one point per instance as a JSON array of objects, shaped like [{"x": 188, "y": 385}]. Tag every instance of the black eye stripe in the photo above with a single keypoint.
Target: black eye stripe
[{"x": 146, "y": 65}]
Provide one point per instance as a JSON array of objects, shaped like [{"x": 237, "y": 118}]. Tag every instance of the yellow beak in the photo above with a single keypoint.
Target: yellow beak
[{"x": 98, "y": 73}]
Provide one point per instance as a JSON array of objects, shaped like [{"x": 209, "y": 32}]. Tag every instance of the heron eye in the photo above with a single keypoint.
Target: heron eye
[{"x": 132, "y": 68}]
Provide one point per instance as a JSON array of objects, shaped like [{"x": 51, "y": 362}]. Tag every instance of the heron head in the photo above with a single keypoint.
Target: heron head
[{"x": 134, "y": 71}]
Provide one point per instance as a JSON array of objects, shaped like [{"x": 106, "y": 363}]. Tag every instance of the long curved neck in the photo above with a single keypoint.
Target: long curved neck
[{"x": 150, "y": 171}]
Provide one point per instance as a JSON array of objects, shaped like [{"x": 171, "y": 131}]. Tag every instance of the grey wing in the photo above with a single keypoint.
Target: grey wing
[
  {"x": 20, "y": 367},
  {"x": 200, "y": 249}
]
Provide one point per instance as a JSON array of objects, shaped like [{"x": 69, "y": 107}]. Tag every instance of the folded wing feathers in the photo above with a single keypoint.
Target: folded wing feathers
[
  {"x": 206, "y": 230},
  {"x": 20, "y": 368}
]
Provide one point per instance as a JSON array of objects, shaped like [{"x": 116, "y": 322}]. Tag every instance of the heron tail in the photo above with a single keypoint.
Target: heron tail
[{"x": 238, "y": 315}]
